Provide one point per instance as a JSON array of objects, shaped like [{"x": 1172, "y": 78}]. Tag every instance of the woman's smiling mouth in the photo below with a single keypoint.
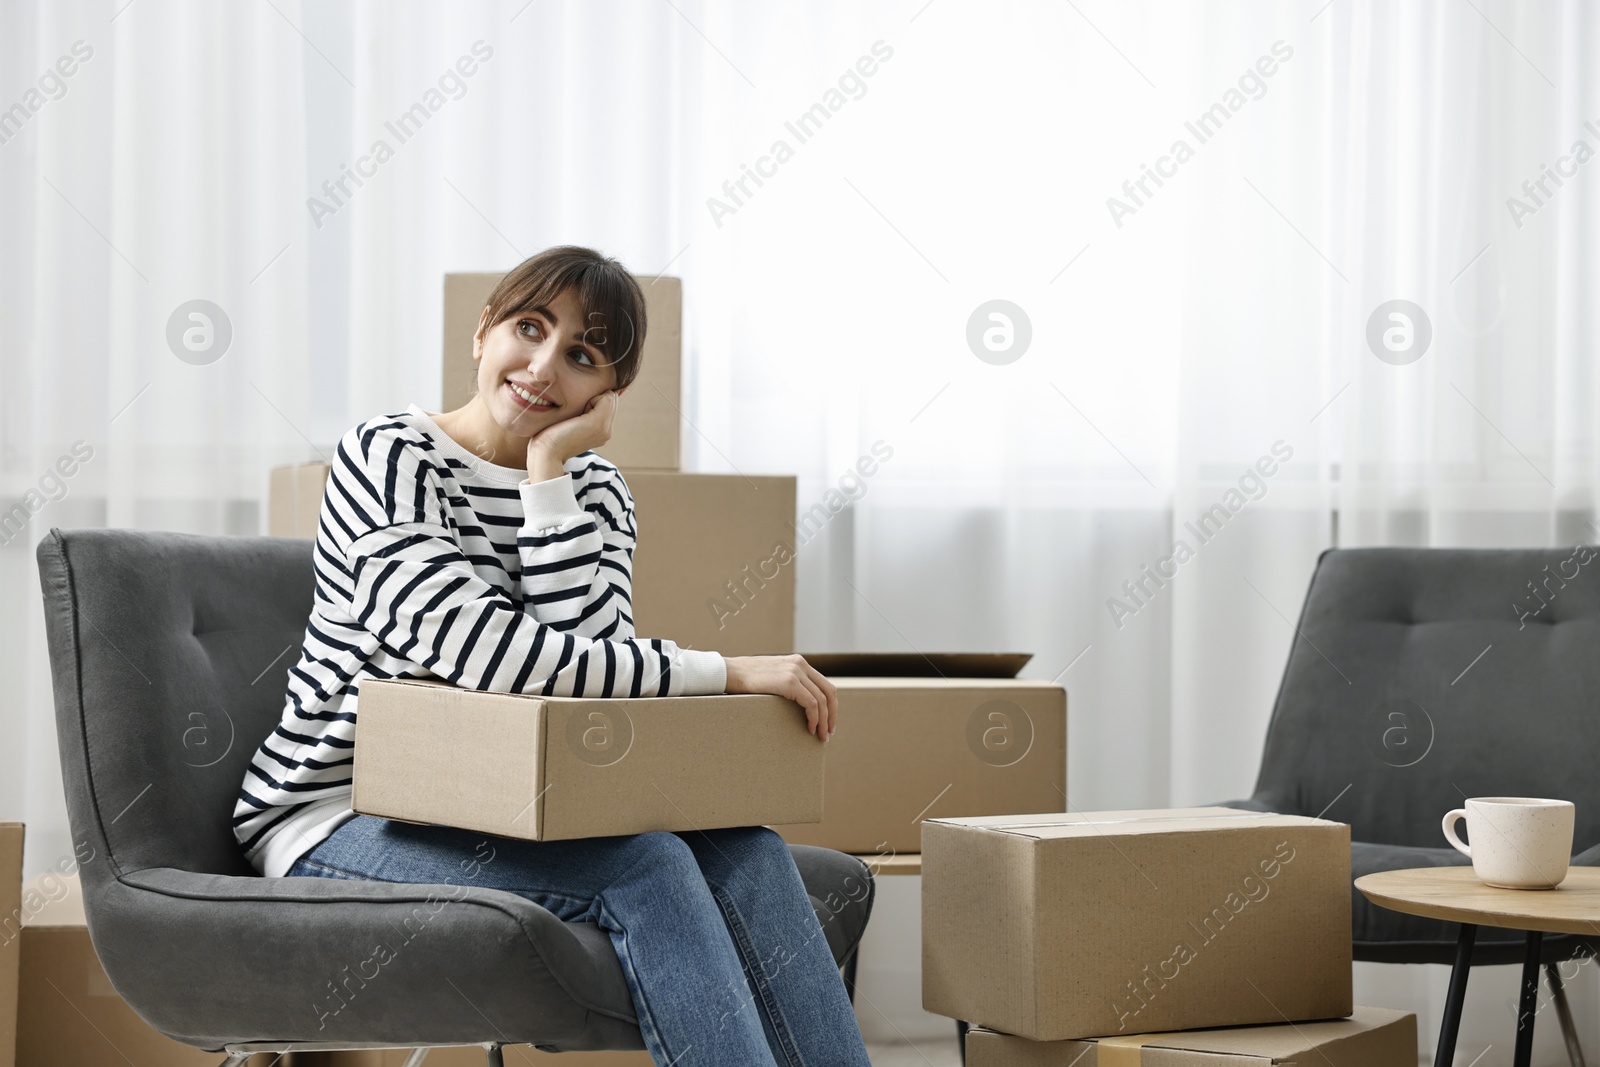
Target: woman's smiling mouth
[{"x": 522, "y": 395}]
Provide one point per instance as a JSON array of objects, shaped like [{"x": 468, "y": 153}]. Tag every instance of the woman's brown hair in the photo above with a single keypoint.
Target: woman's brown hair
[{"x": 607, "y": 295}]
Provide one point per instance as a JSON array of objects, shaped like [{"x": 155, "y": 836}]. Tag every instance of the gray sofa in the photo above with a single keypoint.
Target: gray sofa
[{"x": 168, "y": 653}]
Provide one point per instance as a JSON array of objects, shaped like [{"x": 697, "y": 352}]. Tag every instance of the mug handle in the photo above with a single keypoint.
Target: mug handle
[{"x": 1450, "y": 821}]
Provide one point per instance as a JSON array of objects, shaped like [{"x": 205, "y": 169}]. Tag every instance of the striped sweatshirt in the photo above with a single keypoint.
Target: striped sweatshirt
[{"x": 433, "y": 563}]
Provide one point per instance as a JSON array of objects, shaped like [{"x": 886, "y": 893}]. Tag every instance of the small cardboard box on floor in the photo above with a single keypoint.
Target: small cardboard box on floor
[
  {"x": 909, "y": 749},
  {"x": 646, "y": 435},
  {"x": 1072, "y": 925},
  {"x": 1372, "y": 1037},
  {"x": 68, "y": 1014},
  {"x": 566, "y": 767}
]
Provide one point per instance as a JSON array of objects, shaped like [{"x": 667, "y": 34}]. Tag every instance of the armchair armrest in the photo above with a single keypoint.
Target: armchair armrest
[{"x": 238, "y": 955}]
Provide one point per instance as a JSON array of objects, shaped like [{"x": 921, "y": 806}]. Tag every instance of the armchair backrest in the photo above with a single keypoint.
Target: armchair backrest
[
  {"x": 1419, "y": 677},
  {"x": 169, "y": 654}
]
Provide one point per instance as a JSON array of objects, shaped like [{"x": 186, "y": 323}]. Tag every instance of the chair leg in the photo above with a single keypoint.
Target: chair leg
[
  {"x": 416, "y": 1057},
  {"x": 1569, "y": 1033},
  {"x": 495, "y": 1057}
]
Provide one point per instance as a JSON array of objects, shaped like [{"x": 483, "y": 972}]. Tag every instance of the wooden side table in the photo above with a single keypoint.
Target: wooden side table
[{"x": 1456, "y": 895}]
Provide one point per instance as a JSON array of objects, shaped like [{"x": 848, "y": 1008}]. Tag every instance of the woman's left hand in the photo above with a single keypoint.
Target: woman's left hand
[{"x": 562, "y": 440}]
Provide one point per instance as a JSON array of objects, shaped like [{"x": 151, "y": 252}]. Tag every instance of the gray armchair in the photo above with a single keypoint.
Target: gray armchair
[
  {"x": 1420, "y": 677},
  {"x": 168, "y": 654}
]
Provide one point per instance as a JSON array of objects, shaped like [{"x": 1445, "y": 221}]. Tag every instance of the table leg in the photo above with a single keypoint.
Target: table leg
[
  {"x": 1529, "y": 1005},
  {"x": 1445, "y": 1055}
]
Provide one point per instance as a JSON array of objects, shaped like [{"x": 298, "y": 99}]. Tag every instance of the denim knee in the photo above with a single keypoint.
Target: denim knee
[{"x": 662, "y": 850}]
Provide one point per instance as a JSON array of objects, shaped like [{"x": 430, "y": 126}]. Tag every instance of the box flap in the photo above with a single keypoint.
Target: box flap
[
  {"x": 919, "y": 664},
  {"x": 864, "y": 683}
]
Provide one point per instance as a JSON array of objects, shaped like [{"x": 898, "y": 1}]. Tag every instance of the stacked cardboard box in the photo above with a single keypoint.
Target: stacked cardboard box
[{"x": 1073, "y": 929}]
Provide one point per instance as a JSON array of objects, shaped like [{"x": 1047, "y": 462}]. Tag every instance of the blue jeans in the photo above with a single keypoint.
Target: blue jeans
[{"x": 724, "y": 957}]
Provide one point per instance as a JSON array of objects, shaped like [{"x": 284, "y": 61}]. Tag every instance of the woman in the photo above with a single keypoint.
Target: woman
[{"x": 490, "y": 547}]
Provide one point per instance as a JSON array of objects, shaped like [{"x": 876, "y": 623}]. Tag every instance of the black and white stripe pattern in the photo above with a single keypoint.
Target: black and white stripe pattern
[{"x": 431, "y": 562}]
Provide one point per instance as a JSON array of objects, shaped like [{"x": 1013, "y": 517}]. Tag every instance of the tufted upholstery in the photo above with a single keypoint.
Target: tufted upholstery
[
  {"x": 1420, "y": 677},
  {"x": 168, "y": 654}
]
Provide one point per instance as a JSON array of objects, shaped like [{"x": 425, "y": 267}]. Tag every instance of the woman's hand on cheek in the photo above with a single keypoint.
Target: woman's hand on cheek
[{"x": 560, "y": 441}]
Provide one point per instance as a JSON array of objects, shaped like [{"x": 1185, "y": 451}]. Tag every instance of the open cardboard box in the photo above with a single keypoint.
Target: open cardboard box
[
  {"x": 909, "y": 749},
  {"x": 1071, "y": 925},
  {"x": 557, "y": 768}
]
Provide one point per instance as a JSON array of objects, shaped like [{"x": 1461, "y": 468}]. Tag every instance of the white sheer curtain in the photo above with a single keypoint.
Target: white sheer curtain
[{"x": 1172, "y": 345}]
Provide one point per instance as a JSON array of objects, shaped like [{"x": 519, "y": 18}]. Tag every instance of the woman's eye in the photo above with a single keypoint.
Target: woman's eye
[
  {"x": 527, "y": 322},
  {"x": 588, "y": 360}
]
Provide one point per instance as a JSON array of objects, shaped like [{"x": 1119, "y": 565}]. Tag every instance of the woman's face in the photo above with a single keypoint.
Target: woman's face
[{"x": 536, "y": 368}]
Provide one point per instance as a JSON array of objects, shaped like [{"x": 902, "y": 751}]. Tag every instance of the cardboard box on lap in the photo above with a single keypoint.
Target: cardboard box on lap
[
  {"x": 909, "y": 749},
  {"x": 557, "y": 768},
  {"x": 1372, "y": 1037},
  {"x": 1070, "y": 925}
]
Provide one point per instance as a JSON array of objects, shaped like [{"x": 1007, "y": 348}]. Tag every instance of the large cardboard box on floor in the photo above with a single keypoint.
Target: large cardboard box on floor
[
  {"x": 909, "y": 749},
  {"x": 1372, "y": 1037},
  {"x": 10, "y": 936},
  {"x": 68, "y": 1013},
  {"x": 646, "y": 432},
  {"x": 557, "y": 768},
  {"x": 1070, "y": 925},
  {"x": 713, "y": 569}
]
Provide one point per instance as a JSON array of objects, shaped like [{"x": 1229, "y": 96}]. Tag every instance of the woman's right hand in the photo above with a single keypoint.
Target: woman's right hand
[{"x": 792, "y": 677}]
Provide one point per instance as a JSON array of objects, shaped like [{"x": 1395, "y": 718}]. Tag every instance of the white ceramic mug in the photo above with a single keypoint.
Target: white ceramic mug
[{"x": 1517, "y": 842}]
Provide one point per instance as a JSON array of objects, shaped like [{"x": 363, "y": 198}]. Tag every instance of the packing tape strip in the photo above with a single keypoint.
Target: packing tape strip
[{"x": 1121, "y": 1051}]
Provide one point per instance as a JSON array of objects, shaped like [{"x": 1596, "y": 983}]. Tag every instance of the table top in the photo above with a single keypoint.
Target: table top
[{"x": 1456, "y": 895}]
